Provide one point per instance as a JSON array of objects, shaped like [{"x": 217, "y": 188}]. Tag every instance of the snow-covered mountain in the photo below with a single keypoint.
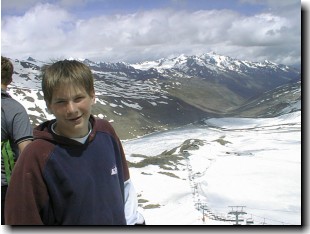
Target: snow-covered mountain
[
  {"x": 197, "y": 175},
  {"x": 211, "y": 61},
  {"x": 169, "y": 93},
  {"x": 203, "y": 175}
]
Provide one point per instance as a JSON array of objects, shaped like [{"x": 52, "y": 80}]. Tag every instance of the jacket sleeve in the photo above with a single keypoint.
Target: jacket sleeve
[
  {"x": 133, "y": 216},
  {"x": 27, "y": 192}
]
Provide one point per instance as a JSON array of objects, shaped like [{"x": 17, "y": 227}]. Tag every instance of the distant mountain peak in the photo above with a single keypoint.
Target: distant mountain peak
[{"x": 30, "y": 59}]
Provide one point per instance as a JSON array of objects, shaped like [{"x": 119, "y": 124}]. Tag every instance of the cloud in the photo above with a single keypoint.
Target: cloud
[
  {"x": 49, "y": 31},
  {"x": 41, "y": 29}
]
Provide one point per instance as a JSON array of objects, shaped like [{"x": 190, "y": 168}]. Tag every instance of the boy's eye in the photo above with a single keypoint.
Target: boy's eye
[{"x": 78, "y": 99}]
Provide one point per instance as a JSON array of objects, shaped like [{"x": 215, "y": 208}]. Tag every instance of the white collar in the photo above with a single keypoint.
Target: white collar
[{"x": 79, "y": 139}]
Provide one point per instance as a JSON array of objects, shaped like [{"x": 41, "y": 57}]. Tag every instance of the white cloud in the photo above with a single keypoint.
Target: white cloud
[
  {"x": 41, "y": 29},
  {"x": 47, "y": 31},
  {"x": 260, "y": 30}
]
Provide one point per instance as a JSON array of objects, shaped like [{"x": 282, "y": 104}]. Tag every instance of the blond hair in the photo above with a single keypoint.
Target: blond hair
[{"x": 66, "y": 72}]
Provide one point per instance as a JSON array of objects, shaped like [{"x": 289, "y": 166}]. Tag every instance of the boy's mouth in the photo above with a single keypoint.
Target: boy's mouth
[{"x": 75, "y": 119}]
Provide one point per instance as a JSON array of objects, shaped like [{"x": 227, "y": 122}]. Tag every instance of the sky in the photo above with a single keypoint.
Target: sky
[{"x": 146, "y": 30}]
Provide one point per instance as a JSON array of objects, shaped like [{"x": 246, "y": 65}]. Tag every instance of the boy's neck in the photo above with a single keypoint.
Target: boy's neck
[{"x": 81, "y": 139}]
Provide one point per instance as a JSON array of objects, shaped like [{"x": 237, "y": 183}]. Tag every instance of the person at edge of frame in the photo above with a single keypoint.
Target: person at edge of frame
[{"x": 16, "y": 129}]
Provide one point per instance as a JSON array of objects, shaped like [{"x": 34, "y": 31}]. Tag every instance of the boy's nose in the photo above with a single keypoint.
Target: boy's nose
[{"x": 71, "y": 108}]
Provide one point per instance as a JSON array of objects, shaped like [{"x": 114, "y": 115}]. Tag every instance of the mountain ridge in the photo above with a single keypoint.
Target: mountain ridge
[{"x": 139, "y": 98}]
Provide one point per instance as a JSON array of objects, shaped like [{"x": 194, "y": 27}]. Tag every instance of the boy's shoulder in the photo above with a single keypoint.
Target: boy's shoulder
[{"x": 103, "y": 125}]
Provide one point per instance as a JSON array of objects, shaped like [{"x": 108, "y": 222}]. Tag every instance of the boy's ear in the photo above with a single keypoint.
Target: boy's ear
[{"x": 49, "y": 107}]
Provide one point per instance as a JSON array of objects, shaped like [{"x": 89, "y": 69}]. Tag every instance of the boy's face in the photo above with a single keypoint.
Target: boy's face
[{"x": 72, "y": 108}]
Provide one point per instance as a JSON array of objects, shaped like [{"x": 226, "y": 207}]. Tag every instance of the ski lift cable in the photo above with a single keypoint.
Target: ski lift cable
[
  {"x": 271, "y": 219},
  {"x": 289, "y": 211},
  {"x": 251, "y": 208},
  {"x": 261, "y": 216}
]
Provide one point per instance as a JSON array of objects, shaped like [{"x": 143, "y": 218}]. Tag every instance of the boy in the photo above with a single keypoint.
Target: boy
[{"x": 75, "y": 171}]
